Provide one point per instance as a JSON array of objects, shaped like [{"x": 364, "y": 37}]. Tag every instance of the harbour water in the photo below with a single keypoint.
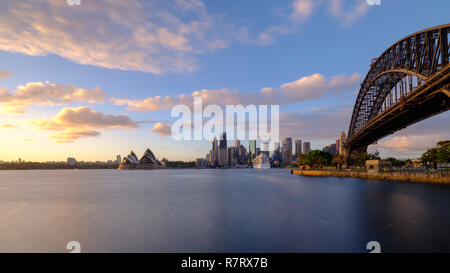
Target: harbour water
[{"x": 217, "y": 210}]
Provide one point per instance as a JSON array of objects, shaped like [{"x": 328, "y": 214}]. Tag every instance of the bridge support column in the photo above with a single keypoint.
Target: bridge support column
[{"x": 352, "y": 153}]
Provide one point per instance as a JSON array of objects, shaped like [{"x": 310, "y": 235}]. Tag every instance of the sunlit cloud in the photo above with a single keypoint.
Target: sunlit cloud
[
  {"x": 411, "y": 143},
  {"x": 302, "y": 9},
  {"x": 162, "y": 129},
  {"x": 149, "y": 36},
  {"x": 308, "y": 87},
  {"x": 5, "y": 74},
  {"x": 81, "y": 122},
  {"x": 12, "y": 126},
  {"x": 47, "y": 93}
]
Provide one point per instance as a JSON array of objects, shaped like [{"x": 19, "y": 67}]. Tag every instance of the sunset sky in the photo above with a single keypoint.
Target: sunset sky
[{"x": 99, "y": 79}]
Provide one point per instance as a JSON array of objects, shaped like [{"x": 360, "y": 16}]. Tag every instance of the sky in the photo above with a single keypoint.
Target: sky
[{"x": 99, "y": 79}]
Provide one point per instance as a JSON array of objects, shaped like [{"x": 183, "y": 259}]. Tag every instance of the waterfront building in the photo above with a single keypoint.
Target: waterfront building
[
  {"x": 276, "y": 150},
  {"x": 237, "y": 143},
  {"x": 200, "y": 163},
  {"x": 242, "y": 157},
  {"x": 262, "y": 161},
  {"x": 286, "y": 150},
  {"x": 118, "y": 159},
  {"x": 231, "y": 156},
  {"x": 252, "y": 148},
  {"x": 213, "y": 154},
  {"x": 265, "y": 148},
  {"x": 342, "y": 140},
  {"x": 223, "y": 157},
  {"x": 223, "y": 153},
  {"x": 298, "y": 148},
  {"x": 147, "y": 162},
  {"x": 306, "y": 147}
]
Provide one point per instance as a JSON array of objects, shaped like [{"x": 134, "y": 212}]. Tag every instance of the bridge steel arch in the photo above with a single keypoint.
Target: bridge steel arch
[{"x": 407, "y": 83}]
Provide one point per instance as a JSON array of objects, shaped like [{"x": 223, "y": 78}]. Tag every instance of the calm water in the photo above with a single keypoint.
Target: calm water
[{"x": 217, "y": 211}]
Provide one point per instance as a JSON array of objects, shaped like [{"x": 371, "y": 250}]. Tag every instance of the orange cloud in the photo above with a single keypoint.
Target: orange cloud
[
  {"x": 9, "y": 126},
  {"x": 46, "y": 94},
  {"x": 80, "y": 122},
  {"x": 5, "y": 74},
  {"x": 162, "y": 129}
]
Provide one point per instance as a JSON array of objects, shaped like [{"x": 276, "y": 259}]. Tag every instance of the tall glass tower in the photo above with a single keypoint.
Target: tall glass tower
[{"x": 252, "y": 148}]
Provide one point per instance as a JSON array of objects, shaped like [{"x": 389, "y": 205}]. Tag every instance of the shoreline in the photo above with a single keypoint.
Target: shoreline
[{"x": 432, "y": 178}]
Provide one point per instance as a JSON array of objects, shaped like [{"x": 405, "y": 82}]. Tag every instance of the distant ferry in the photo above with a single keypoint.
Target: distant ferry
[{"x": 262, "y": 161}]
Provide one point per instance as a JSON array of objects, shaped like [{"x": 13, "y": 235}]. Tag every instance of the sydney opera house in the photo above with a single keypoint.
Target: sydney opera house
[{"x": 147, "y": 162}]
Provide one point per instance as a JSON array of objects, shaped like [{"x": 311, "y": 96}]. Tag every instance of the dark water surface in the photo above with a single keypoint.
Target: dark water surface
[{"x": 217, "y": 211}]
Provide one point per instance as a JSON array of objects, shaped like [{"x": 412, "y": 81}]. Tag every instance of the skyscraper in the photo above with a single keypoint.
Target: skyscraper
[
  {"x": 306, "y": 147},
  {"x": 223, "y": 154},
  {"x": 298, "y": 148},
  {"x": 231, "y": 155},
  {"x": 223, "y": 141},
  {"x": 286, "y": 150},
  {"x": 237, "y": 143},
  {"x": 118, "y": 159},
  {"x": 252, "y": 148},
  {"x": 214, "y": 152},
  {"x": 242, "y": 155},
  {"x": 276, "y": 150}
]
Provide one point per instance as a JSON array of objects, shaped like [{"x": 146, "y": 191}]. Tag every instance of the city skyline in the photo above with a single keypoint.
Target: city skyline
[{"x": 118, "y": 97}]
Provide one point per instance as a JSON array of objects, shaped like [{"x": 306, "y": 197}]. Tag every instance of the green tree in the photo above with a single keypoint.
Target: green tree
[
  {"x": 431, "y": 156},
  {"x": 439, "y": 154},
  {"x": 395, "y": 162},
  {"x": 361, "y": 159},
  {"x": 443, "y": 155},
  {"x": 315, "y": 158},
  {"x": 338, "y": 160}
]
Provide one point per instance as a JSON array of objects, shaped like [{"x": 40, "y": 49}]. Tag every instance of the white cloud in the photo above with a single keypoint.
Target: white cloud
[
  {"x": 46, "y": 94},
  {"x": 78, "y": 122},
  {"x": 149, "y": 36},
  {"x": 411, "y": 143},
  {"x": 308, "y": 87},
  {"x": 414, "y": 140},
  {"x": 348, "y": 16}
]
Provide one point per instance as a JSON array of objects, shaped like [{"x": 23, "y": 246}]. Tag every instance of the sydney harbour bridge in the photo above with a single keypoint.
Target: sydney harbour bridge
[{"x": 407, "y": 83}]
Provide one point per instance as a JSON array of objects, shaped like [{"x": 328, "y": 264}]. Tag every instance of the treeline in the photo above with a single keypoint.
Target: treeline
[
  {"x": 318, "y": 159},
  {"x": 54, "y": 165},
  {"x": 437, "y": 155},
  {"x": 179, "y": 164}
]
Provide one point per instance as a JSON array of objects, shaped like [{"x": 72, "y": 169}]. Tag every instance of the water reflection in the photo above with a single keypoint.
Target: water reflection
[{"x": 217, "y": 211}]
